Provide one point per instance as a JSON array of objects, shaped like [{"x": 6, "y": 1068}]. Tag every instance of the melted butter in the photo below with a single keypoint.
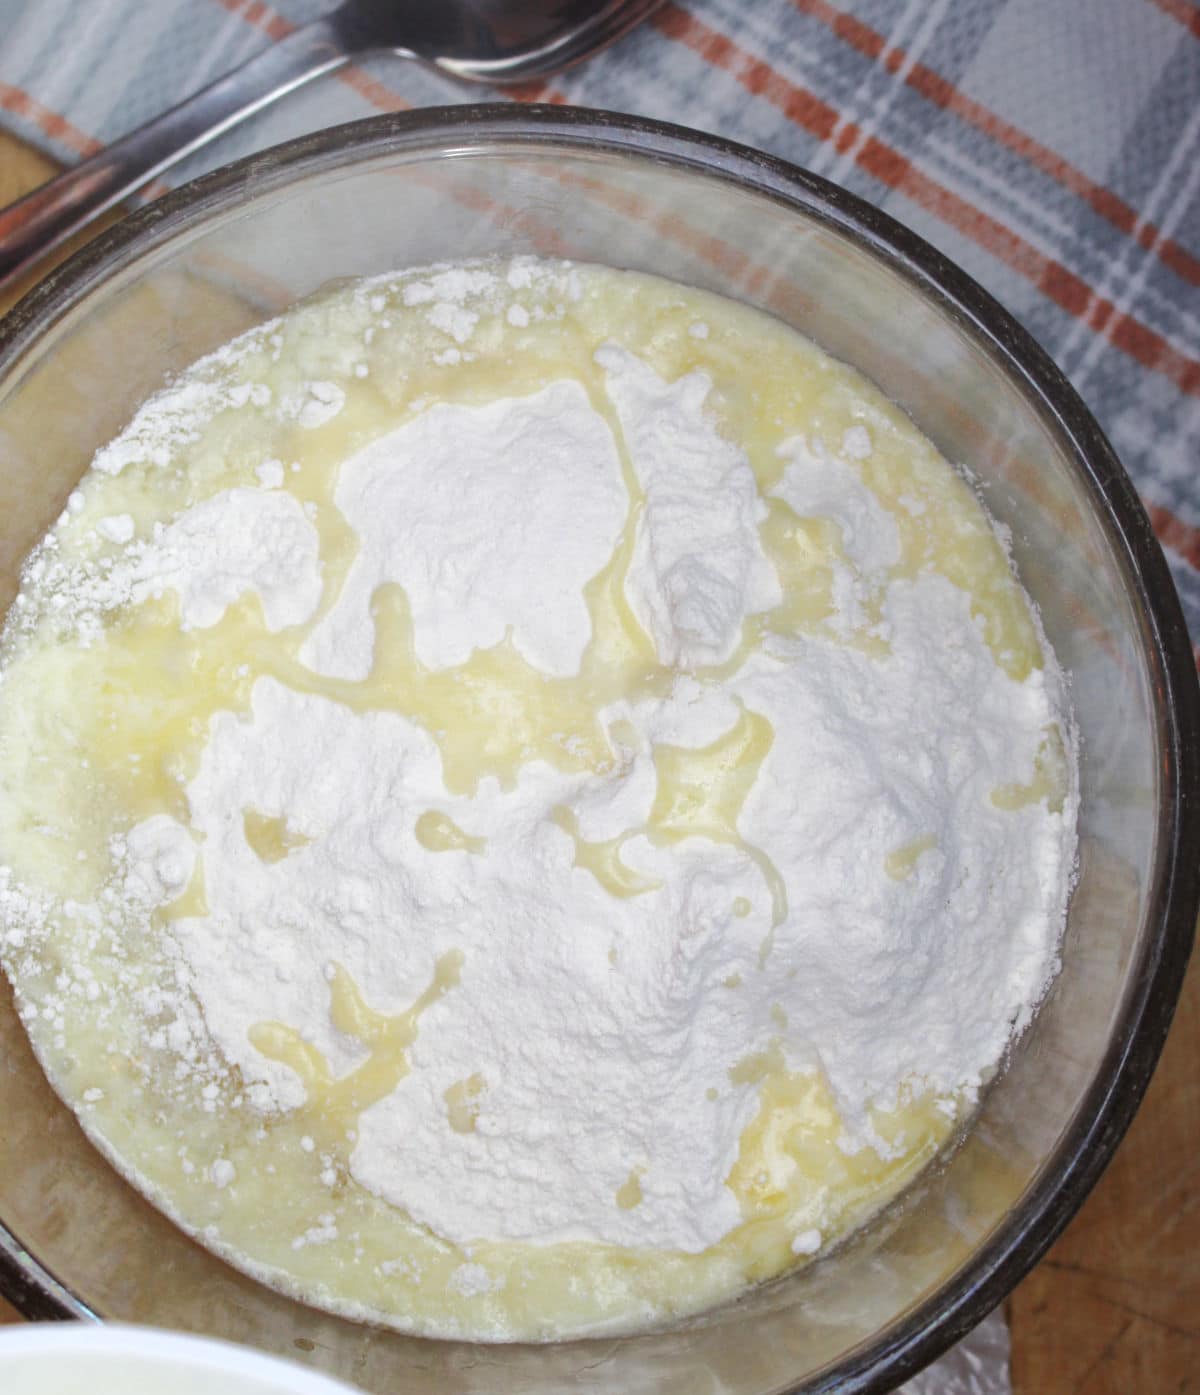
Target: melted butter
[
  {"x": 623, "y": 734},
  {"x": 603, "y": 859},
  {"x": 701, "y": 793},
  {"x": 491, "y": 715},
  {"x": 152, "y": 686},
  {"x": 335, "y": 1102},
  {"x": 941, "y": 531},
  {"x": 792, "y": 1173},
  {"x": 753, "y": 1069},
  {"x": 269, "y": 835},
  {"x": 629, "y": 1193},
  {"x": 1049, "y": 783},
  {"x": 901, "y": 862},
  {"x": 464, "y": 1099},
  {"x": 938, "y": 518},
  {"x": 139, "y": 701},
  {"x": 193, "y": 901},
  {"x": 437, "y": 832},
  {"x": 803, "y": 552},
  {"x": 145, "y": 695}
]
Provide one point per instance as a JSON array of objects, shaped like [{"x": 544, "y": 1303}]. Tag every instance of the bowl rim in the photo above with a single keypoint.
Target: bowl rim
[{"x": 1106, "y": 1109}]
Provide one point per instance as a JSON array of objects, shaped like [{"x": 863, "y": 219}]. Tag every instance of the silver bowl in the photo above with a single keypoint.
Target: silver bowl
[{"x": 186, "y": 273}]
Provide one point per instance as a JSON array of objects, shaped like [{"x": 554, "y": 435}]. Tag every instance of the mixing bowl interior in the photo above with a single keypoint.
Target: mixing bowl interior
[{"x": 181, "y": 279}]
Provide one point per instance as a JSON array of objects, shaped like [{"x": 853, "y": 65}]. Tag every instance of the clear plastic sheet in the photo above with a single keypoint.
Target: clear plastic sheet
[{"x": 978, "y": 1365}]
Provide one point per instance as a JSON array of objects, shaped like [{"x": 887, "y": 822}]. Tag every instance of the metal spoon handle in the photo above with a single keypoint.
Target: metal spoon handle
[{"x": 50, "y": 214}]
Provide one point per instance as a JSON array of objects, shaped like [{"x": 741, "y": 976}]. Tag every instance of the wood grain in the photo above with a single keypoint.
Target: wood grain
[
  {"x": 21, "y": 169},
  {"x": 1113, "y": 1308}
]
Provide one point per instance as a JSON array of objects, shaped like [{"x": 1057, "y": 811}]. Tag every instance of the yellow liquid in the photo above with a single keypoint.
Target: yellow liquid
[
  {"x": 437, "y": 832},
  {"x": 463, "y": 1101},
  {"x": 902, "y": 861},
  {"x": 270, "y": 836},
  {"x": 136, "y": 707},
  {"x": 335, "y": 1102}
]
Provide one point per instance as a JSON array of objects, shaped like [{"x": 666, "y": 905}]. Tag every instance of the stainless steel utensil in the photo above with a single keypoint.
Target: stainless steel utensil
[{"x": 483, "y": 41}]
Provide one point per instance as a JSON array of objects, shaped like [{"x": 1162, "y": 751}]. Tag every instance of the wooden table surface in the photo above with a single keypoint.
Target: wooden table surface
[{"x": 1114, "y": 1309}]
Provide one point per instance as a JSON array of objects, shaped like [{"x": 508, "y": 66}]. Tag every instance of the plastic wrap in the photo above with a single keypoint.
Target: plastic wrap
[{"x": 978, "y": 1365}]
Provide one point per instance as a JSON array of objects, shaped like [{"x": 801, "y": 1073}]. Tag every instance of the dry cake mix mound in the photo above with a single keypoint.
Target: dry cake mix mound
[{"x": 530, "y": 800}]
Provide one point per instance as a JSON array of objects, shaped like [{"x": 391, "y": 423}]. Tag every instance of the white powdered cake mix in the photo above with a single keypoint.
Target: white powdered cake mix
[{"x": 530, "y": 799}]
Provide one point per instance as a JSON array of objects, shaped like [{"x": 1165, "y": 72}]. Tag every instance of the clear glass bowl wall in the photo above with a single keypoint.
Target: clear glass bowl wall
[{"x": 183, "y": 277}]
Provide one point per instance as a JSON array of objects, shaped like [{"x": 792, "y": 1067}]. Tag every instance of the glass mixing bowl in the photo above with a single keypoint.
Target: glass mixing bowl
[{"x": 184, "y": 274}]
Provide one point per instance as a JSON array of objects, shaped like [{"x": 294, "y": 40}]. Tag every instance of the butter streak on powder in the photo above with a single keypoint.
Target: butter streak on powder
[{"x": 530, "y": 800}]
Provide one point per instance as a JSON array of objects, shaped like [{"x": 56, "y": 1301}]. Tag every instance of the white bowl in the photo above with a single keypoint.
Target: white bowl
[{"x": 78, "y": 1359}]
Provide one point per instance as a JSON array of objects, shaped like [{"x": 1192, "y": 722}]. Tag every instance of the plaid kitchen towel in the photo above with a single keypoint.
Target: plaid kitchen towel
[{"x": 1050, "y": 147}]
